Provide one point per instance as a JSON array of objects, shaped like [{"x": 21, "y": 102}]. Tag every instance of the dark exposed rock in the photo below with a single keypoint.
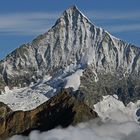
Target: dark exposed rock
[
  {"x": 138, "y": 113},
  {"x": 62, "y": 109},
  {"x": 126, "y": 88},
  {"x": 4, "y": 109}
]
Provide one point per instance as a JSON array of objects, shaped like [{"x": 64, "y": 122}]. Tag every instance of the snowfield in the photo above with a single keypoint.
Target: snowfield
[
  {"x": 110, "y": 108},
  {"x": 30, "y": 97},
  {"x": 74, "y": 80}
]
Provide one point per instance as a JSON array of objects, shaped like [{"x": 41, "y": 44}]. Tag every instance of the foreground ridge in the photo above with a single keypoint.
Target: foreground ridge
[{"x": 63, "y": 109}]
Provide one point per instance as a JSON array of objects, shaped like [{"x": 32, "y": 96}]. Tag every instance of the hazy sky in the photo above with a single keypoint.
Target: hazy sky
[{"x": 23, "y": 20}]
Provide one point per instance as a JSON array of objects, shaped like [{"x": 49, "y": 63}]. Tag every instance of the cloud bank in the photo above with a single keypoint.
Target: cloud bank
[
  {"x": 112, "y": 129},
  {"x": 120, "y": 125},
  {"x": 89, "y": 131}
]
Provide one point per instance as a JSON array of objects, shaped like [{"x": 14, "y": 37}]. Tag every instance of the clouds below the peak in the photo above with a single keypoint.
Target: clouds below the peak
[
  {"x": 122, "y": 128},
  {"x": 90, "y": 131}
]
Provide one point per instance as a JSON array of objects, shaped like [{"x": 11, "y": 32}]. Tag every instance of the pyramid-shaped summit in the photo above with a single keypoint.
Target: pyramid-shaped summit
[{"x": 71, "y": 17}]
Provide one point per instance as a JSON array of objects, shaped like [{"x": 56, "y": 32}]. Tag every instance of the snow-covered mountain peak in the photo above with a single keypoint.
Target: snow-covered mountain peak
[
  {"x": 71, "y": 48},
  {"x": 73, "y": 40}
]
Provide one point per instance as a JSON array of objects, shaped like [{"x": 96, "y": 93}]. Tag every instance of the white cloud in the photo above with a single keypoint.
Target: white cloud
[
  {"x": 92, "y": 130},
  {"x": 89, "y": 131}
]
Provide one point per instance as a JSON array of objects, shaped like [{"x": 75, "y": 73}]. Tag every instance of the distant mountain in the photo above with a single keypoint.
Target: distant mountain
[{"x": 73, "y": 53}]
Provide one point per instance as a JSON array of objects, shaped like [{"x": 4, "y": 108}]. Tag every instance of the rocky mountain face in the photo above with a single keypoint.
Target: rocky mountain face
[
  {"x": 109, "y": 65},
  {"x": 61, "y": 110},
  {"x": 4, "y": 110}
]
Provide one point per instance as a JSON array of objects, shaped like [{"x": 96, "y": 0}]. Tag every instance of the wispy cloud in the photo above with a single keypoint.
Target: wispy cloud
[
  {"x": 123, "y": 28},
  {"x": 34, "y": 23},
  {"x": 116, "y": 21},
  {"x": 26, "y": 23},
  {"x": 113, "y": 15}
]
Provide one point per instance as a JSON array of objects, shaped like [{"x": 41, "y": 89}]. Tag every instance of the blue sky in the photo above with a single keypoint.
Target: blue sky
[{"x": 22, "y": 20}]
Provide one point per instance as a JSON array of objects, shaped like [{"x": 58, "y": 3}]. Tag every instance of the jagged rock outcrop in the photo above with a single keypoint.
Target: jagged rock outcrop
[
  {"x": 61, "y": 110},
  {"x": 4, "y": 110},
  {"x": 126, "y": 88}
]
